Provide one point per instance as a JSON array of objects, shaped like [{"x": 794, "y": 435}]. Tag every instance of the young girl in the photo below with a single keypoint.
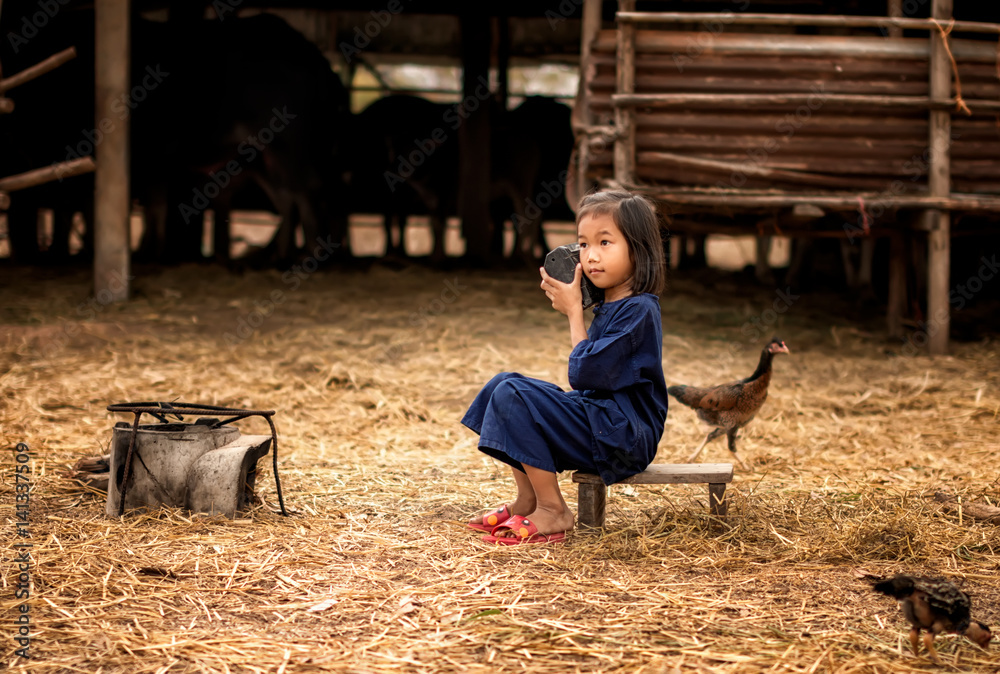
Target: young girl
[{"x": 612, "y": 420}]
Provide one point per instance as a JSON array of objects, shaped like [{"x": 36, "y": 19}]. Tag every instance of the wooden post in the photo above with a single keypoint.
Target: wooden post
[
  {"x": 762, "y": 269},
  {"x": 501, "y": 59},
  {"x": 591, "y": 503},
  {"x": 625, "y": 85},
  {"x": 111, "y": 189},
  {"x": 582, "y": 119},
  {"x": 474, "y": 137},
  {"x": 896, "y": 300},
  {"x": 895, "y": 10},
  {"x": 717, "y": 504},
  {"x": 939, "y": 185}
]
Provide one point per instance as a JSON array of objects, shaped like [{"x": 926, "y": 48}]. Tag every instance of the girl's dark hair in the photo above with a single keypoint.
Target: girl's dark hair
[{"x": 635, "y": 216}]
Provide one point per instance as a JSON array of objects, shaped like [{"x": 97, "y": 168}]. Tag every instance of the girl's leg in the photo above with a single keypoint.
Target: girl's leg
[
  {"x": 551, "y": 514},
  {"x": 525, "y": 502}
]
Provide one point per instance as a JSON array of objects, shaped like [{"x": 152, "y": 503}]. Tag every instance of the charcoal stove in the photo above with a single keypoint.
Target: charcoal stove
[{"x": 205, "y": 466}]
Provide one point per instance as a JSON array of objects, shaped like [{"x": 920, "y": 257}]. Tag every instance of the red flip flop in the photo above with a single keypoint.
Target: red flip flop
[
  {"x": 492, "y": 519},
  {"x": 526, "y": 533}
]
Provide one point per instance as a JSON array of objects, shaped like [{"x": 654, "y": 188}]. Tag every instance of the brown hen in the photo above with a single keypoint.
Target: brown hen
[
  {"x": 732, "y": 406},
  {"x": 935, "y": 605}
]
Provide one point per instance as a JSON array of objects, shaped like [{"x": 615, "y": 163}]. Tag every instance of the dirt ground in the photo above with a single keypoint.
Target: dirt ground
[{"x": 369, "y": 371}]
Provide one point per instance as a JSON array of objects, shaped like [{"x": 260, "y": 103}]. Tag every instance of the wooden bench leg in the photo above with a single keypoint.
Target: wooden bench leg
[
  {"x": 590, "y": 504},
  {"x": 717, "y": 499}
]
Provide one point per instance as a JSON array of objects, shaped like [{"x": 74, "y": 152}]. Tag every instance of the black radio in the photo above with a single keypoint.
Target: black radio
[{"x": 561, "y": 263}]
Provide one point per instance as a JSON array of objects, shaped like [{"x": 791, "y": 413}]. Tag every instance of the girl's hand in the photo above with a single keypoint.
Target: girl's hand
[{"x": 567, "y": 298}]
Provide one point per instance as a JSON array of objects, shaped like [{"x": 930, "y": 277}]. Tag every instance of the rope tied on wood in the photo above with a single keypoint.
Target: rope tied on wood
[
  {"x": 865, "y": 220},
  {"x": 998, "y": 75},
  {"x": 959, "y": 101}
]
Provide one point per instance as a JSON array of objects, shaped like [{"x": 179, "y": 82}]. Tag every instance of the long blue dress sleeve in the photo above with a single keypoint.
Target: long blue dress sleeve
[
  {"x": 609, "y": 424},
  {"x": 606, "y": 361}
]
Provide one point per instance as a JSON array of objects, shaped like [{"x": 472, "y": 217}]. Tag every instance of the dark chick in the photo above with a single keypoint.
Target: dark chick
[
  {"x": 732, "y": 406},
  {"x": 935, "y": 605}
]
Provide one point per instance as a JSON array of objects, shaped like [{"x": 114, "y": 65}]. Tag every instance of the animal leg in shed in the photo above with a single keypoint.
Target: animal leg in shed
[
  {"x": 915, "y": 641},
  {"x": 439, "y": 228},
  {"x": 716, "y": 432},
  {"x": 732, "y": 448},
  {"x": 929, "y": 643},
  {"x": 762, "y": 268}
]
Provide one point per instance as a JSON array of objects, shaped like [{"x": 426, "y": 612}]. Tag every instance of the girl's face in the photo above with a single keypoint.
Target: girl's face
[{"x": 605, "y": 256}]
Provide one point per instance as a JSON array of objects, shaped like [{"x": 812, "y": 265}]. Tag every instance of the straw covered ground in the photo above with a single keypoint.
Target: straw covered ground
[{"x": 370, "y": 371}]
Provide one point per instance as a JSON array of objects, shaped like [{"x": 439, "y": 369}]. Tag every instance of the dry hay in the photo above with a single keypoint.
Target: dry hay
[{"x": 370, "y": 372}]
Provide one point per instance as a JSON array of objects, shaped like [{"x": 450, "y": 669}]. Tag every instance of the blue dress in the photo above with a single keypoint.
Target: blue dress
[{"x": 612, "y": 420}]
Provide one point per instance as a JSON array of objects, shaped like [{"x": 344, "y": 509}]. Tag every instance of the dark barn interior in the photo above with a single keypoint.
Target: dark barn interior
[
  {"x": 319, "y": 224},
  {"x": 819, "y": 168}
]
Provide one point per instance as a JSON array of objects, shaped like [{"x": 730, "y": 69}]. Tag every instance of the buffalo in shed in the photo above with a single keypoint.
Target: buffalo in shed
[
  {"x": 216, "y": 109},
  {"x": 248, "y": 101},
  {"x": 406, "y": 159},
  {"x": 52, "y": 121}
]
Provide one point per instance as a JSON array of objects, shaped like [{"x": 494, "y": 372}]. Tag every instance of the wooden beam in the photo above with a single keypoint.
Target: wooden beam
[
  {"x": 38, "y": 69},
  {"x": 474, "y": 137},
  {"x": 582, "y": 112},
  {"x": 624, "y": 152},
  {"x": 939, "y": 185},
  {"x": 679, "y": 225},
  {"x": 894, "y": 10},
  {"x": 941, "y": 102},
  {"x": 967, "y": 203},
  {"x": 747, "y": 168},
  {"x": 4, "y": 201},
  {"x": 756, "y": 45},
  {"x": 65, "y": 169},
  {"x": 6, "y": 106},
  {"x": 111, "y": 189},
  {"x": 819, "y": 20}
]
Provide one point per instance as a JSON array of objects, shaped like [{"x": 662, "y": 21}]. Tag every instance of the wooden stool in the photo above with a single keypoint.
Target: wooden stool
[{"x": 593, "y": 492}]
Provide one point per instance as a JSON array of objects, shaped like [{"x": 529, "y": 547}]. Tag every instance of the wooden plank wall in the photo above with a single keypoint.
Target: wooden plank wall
[{"x": 847, "y": 147}]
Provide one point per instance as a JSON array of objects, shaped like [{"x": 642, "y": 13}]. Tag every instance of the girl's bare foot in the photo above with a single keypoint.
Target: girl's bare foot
[
  {"x": 548, "y": 521},
  {"x": 521, "y": 506}
]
